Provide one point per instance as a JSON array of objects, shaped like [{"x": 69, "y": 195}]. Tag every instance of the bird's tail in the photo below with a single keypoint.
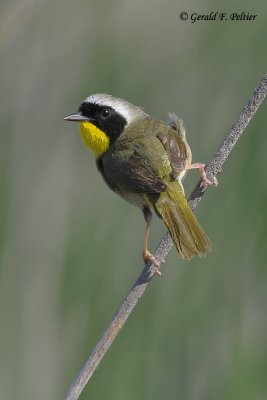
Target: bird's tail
[{"x": 185, "y": 230}]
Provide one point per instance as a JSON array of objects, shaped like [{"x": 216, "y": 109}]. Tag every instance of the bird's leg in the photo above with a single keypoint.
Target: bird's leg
[
  {"x": 147, "y": 256},
  {"x": 202, "y": 173}
]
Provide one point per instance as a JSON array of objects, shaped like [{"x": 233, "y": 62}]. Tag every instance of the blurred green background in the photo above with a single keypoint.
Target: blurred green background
[{"x": 71, "y": 249}]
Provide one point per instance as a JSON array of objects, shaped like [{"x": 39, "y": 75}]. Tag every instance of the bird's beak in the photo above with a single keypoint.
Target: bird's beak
[{"x": 77, "y": 117}]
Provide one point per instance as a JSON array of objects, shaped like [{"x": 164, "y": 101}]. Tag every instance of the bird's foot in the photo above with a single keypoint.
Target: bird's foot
[
  {"x": 204, "y": 180},
  {"x": 148, "y": 257}
]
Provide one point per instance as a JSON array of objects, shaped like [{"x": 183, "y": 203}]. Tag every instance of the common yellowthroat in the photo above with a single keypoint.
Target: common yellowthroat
[{"x": 144, "y": 161}]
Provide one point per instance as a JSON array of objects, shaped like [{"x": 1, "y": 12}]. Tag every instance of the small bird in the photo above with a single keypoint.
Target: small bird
[{"x": 144, "y": 161}]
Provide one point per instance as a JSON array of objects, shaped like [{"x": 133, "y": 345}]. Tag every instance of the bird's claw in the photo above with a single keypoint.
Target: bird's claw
[
  {"x": 148, "y": 257},
  {"x": 207, "y": 182}
]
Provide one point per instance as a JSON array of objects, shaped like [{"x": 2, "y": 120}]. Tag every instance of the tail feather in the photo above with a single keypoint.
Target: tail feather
[{"x": 185, "y": 230}]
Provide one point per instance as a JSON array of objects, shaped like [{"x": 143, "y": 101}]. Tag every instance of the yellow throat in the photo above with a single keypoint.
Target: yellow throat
[{"x": 94, "y": 138}]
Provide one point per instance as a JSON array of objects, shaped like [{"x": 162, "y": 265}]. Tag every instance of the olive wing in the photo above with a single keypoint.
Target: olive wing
[
  {"x": 133, "y": 173},
  {"x": 176, "y": 146}
]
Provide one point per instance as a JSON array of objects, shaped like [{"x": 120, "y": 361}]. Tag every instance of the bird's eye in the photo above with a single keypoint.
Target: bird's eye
[{"x": 105, "y": 113}]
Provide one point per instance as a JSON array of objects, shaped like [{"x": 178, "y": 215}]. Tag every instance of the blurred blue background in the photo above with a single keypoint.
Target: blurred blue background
[{"x": 71, "y": 249}]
